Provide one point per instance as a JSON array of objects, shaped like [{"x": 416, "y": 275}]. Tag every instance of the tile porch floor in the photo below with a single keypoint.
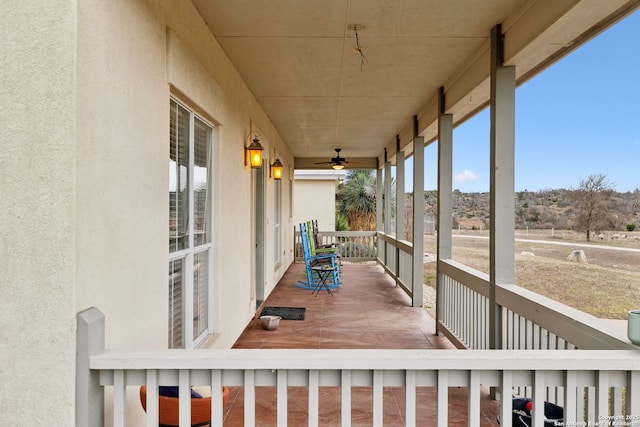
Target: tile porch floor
[{"x": 367, "y": 311}]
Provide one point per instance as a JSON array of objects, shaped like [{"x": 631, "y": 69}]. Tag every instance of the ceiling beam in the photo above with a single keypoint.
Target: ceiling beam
[{"x": 352, "y": 163}]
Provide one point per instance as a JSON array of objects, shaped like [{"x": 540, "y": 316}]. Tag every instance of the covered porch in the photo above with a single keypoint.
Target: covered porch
[
  {"x": 401, "y": 373},
  {"x": 117, "y": 268}
]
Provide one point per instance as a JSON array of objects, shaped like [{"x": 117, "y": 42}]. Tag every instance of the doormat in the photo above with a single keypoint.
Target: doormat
[{"x": 287, "y": 313}]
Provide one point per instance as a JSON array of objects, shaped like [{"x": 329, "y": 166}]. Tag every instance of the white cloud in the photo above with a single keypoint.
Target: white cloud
[{"x": 465, "y": 176}]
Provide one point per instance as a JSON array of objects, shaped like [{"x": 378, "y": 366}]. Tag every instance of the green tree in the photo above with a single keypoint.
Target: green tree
[
  {"x": 342, "y": 222},
  {"x": 591, "y": 203},
  {"x": 357, "y": 200}
]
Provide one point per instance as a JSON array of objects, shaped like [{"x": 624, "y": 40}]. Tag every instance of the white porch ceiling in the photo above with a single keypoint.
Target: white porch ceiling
[{"x": 299, "y": 59}]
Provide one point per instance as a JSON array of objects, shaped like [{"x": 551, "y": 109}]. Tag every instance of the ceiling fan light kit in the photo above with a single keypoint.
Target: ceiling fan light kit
[{"x": 336, "y": 162}]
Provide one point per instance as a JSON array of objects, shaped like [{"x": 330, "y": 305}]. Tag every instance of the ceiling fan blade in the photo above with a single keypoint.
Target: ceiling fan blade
[{"x": 337, "y": 161}]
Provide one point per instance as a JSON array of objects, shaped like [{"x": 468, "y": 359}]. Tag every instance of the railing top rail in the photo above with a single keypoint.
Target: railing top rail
[
  {"x": 344, "y": 233},
  {"x": 581, "y": 329},
  {"x": 348, "y": 233},
  {"x": 403, "y": 245},
  {"x": 472, "y": 278},
  {"x": 362, "y": 359}
]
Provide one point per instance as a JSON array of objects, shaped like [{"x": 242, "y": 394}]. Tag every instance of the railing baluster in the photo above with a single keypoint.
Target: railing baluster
[
  {"x": 539, "y": 390},
  {"x": 581, "y": 404},
  {"x": 633, "y": 396},
  {"x": 378, "y": 398},
  {"x": 184, "y": 398},
  {"x": 506, "y": 387},
  {"x": 345, "y": 401},
  {"x": 119, "y": 397},
  {"x": 474, "y": 398},
  {"x": 282, "y": 398},
  {"x": 591, "y": 408},
  {"x": 464, "y": 293},
  {"x": 216, "y": 398},
  {"x": 510, "y": 329},
  {"x": 249, "y": 398},
  {"x": 602, "y": 394},
  {"x": 410, "y": 398},
  {"x": 442, "y": 399},
  {"x": 152, "y": 398},
  {"x": 314, "y": 380}
]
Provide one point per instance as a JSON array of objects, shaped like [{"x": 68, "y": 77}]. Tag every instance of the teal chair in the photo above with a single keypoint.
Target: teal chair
[{"x": 316, "y": 260}]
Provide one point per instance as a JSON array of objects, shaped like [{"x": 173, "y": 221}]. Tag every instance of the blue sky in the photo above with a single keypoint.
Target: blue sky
[{"x": 579, "y": 117}]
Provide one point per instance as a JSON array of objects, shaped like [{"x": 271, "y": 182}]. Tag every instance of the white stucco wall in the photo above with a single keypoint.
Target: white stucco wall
[
  {"x": 315, "y": 199},
  {"x": 133, "y": 58},
  {"x": 37, "y": 226},
  {"x": 121, "y": 164},
  {"x": 84, "y": 170}
]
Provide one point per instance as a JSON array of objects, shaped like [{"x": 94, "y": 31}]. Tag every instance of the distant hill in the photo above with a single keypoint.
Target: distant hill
[{"x": 543, "y": 209}]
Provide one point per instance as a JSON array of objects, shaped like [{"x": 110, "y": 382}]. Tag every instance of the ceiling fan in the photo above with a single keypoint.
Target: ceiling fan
[{"x": 337, "y": 162}]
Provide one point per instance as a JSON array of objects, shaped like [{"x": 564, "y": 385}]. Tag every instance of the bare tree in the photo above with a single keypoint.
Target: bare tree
[{"x": 591, "y": 203}]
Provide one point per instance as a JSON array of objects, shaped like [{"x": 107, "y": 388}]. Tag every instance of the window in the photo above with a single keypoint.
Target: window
[
  {"x": 277, "y": 195},
  {"x": 190, "y": 246}
]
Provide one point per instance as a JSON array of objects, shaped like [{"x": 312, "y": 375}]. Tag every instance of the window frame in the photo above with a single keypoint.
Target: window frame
[{"x": 188, "y": 254}]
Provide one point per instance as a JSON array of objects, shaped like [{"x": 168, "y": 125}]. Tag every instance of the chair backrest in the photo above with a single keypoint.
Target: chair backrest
[
  {"x": 316, "y": 236},
  {"x": 306, "y": 245},
  {"x": 311, "y": 239},
  {"x": 315, "y": 240}
]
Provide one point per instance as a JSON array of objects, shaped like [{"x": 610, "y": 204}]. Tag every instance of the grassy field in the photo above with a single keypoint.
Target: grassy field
[{"x": 607, "y": 286}]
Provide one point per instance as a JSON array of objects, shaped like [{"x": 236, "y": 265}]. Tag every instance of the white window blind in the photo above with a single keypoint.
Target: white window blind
[{"x": 190, "y": 224}]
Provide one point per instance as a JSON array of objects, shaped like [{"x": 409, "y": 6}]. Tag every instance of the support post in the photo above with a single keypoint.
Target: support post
[
  {"x": 418, "y": 218},
  {"x": 445, "y": 191},
  {"x": 502, "y": 204},
  {"x": 387, "y": 207},
  {"x": 89, "y": 393},
  {"x": 387, "y": 197},
  {"x": 400, "y": 190},
  {"x": 379, "y": 224}
]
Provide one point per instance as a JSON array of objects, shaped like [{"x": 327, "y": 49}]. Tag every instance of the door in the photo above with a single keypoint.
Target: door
[{"x": 259, "y": 203}]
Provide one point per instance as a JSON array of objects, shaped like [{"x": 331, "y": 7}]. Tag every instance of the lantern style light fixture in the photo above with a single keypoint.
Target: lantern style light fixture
[
  {"x": 276, "y": 169},
  {"x": 255, "y": 154}
]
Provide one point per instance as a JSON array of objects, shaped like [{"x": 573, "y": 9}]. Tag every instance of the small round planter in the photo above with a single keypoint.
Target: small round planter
[{"x": 633, "y": 326}]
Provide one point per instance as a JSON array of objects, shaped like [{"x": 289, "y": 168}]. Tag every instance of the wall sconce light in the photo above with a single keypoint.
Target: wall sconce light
[
  {"x": 255, "y": 154},
  {"x": 276, "y": 169}
]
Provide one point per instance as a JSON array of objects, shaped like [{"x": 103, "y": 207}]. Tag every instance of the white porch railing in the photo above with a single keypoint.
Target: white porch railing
[
  {"x": 354, "y": 246},
  {"x": 570, "y": 372},
  {"x": 530, "y": 321},
  {"x": 396, "y": 256}
]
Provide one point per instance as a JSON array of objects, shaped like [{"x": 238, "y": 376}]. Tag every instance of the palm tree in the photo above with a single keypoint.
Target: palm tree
[{"x": 357, "y": 200}]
